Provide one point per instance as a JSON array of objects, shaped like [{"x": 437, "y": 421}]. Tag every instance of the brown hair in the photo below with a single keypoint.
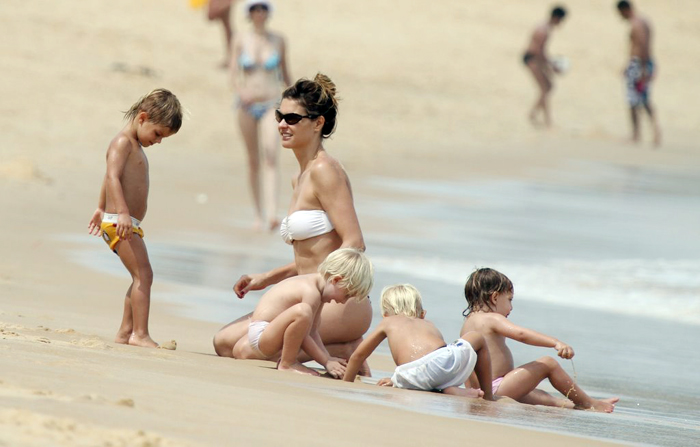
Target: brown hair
[
  {"x": 481, "y": 284},
  {"x": 318, "y": 97},
  {"x": 162, "y": 107}
]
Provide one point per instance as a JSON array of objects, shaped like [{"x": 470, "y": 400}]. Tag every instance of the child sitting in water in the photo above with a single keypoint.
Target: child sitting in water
[
  {"x": 424, "y": 361},
  {"x": 489, "y": 297},
  {"x": 286, "y": 319}
]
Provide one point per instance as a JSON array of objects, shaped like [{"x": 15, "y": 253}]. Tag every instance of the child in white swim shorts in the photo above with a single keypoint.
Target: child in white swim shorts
[{"x": 425, "y": 362}]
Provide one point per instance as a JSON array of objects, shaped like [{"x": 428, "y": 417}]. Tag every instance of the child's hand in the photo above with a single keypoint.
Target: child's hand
[
  {"x": 124, "y": 226},
  {"x": 563, "y": 350},
  {"x": 95, "y": 223},
  {"x": 336, "y": 367},
  {"x": 385, "y": 381}
]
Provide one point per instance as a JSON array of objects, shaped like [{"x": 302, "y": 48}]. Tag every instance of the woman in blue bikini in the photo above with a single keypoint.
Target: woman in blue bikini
[
  {"x": 321, "y": 217},
  {"x": 259, "y": 73}
]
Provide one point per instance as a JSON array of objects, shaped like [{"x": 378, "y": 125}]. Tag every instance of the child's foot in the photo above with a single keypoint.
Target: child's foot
[
  {"x": 603, "y": 405},
  {"x": 298, "y": 368},
  {"x": 122, "y": 338},
  {"x": 144, "y": 342}
]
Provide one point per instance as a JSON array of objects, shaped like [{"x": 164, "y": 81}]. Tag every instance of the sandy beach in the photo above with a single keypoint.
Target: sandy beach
[{"x": 430, "y": 92}]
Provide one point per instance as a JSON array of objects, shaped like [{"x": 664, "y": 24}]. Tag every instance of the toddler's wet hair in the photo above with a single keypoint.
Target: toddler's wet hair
[{"x": 481, "y": 284}]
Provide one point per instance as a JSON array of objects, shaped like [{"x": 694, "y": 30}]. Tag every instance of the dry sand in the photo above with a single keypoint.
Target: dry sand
[{"x": 430, "y": 90}]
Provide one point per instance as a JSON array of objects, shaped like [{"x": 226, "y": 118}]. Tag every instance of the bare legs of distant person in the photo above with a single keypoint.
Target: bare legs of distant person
[
  {"x": 545, "y": 87},
  {"x": 221, "y": 10},
  {"x": 634, "y": 114},
  {"x": 262, "y": 144}
]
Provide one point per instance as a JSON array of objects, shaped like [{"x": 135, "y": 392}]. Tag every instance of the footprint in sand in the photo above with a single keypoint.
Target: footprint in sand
[
  {"x": 126, "y": 402},
  {"x": 91, "y": 343},
  {"x": 42, "y": 340}
]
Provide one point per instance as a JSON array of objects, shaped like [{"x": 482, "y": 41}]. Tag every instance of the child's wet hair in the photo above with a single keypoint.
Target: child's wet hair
[
  {"x": 318, "y": 97},
  {"x": 401, "y": 299},
  {"x": 162, "y": 107},
  {"x": 354, "y": 270},
  {"x": 481, "y": 284}
]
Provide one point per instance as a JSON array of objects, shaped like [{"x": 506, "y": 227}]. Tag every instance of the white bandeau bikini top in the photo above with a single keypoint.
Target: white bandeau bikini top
[{"x": 305, "y": 224}]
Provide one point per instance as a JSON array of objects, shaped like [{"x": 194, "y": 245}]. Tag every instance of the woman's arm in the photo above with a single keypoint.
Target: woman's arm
[
  {"x": 332, "y": 189},
  {"x": 259, "y": 281}
]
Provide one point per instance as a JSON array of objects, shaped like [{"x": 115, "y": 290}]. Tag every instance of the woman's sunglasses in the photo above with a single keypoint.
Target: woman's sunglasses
[{"x": 291, "y": 118}]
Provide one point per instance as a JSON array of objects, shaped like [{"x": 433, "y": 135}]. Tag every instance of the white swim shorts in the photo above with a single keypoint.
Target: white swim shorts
[
  {"x": 255, "y": 330},
  {"x": 442, "y": 368}
]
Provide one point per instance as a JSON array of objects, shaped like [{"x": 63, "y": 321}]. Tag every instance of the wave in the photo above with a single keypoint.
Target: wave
[{"x": 661, "y": 289}]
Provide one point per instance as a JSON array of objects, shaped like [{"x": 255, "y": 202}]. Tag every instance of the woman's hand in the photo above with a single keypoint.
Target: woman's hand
[{"x": 246, "y": 283}]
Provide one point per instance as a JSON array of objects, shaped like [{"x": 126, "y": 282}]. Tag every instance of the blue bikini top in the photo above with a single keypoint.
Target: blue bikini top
[{"x": 247, "y": 63}]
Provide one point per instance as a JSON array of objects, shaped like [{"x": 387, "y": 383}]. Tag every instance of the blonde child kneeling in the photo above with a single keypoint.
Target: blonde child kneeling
[
  {"x": 286, "y": 319},
  {"x": 424, "y": 361},
  {"x": 123, "y": 202},
  {"x": 489, "y": 297}
]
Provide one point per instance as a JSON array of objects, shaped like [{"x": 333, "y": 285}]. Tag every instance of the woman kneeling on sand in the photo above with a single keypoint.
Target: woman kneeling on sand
[{"x": 321, "y": 217}]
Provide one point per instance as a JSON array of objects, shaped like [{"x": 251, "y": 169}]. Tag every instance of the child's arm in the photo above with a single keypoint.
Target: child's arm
[
  {"x": 96, "y": 220},
  {"x": 313, "y": 346},
  {"x": 507, "y": 329},
  {"x": 363, "y": 351},
  {"x": 117, "y": 154}
]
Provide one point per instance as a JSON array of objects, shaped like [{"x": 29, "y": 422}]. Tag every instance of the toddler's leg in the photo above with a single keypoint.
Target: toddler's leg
[
  {"x": 286, "y": 333},
  {"x": 127, "y": 326},
  {"x": 519, "y": 383},
  {"x": 135, "y": 258},
  {"x": 464, "y": 392}
]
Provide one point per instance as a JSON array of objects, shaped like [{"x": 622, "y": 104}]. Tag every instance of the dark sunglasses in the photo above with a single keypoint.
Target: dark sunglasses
[{"x": 291, "y": 118}]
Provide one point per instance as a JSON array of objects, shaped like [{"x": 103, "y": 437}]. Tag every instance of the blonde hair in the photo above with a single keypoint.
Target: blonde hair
[
  {"x": 162, "y": 107},
  {"x": 352, "y": 268},
  {"x": 402, "y": 299}
]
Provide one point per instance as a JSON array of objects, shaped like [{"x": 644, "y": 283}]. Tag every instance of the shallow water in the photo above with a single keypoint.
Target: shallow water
[{"x": 602, "y": 256}]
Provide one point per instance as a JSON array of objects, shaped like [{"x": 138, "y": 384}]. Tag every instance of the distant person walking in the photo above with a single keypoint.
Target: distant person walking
[
  {"x": 640, "y": 70},
  {"x": 259, "y": 74},
  {"x": 536, "y": 60},
  {"x": 221, "y": 10}
]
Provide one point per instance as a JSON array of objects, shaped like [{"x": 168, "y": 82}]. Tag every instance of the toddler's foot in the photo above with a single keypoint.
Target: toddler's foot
[
  {"x": 122, "y": 338},
  {"x": 298, "y": 368},
  {"x": 603, "y": 405},
  {"x": 144, "y": 342}
]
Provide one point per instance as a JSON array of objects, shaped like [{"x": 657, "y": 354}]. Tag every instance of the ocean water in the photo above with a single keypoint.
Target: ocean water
[{"x": 602, "y": 256}]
